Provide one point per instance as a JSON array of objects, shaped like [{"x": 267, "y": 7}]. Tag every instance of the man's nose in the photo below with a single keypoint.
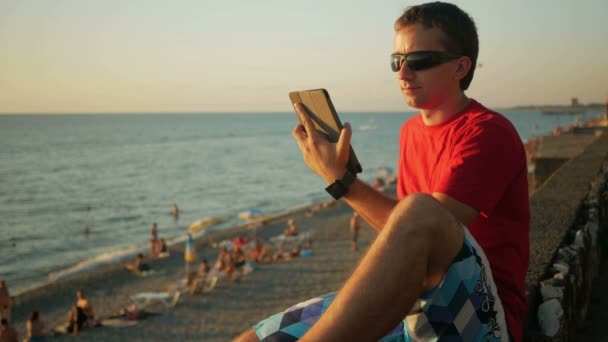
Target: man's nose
[{"x": 405, "y": 73}]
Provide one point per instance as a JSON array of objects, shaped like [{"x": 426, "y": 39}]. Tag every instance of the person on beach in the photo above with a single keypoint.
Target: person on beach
[
  {"x": 157, "y": 245},
  {"x": 307, "y": 249},
  {"x": 280, "y": 255},
  {"x": 6, "y": 303},
  {"x": 456, "y": 237},
  {"x": 133, "y": 313},
  {"x": 378, "y": 183},
  {"x": 153, "y": 243},
  {"x": 138, "y": 265},
  {"x": 7, "y": 333},
  {"x": 35, "y": 328},
  {"x": 175, "y": 211},
  {"x": 81, "y": 314},
  {"x": 203, "y": 269},
  {"x": 354, "y": 226},
  {"x": 238, "y": 256},
  {"x": 76, "y": 320},
  {"x": 83, "y": 303},
  {"x": 161, "y": 247},
  {"x": 292, "y": 228},
  {"x": 225, "y": 263},
  {"x": 261, "y": 252}
]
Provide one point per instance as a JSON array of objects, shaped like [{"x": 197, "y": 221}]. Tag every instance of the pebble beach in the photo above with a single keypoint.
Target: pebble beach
[{"x": 226, "y": 311}]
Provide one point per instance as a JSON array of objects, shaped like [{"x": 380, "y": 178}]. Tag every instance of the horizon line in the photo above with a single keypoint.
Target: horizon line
[{"x": 410, "y": 110}]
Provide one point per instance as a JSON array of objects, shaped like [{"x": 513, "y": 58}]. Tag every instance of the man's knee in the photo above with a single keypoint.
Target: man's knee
[
  {"x": 423, "y": 214},
  {"x": 421, "y": 207},
  {"x": 423, "y": 219}
]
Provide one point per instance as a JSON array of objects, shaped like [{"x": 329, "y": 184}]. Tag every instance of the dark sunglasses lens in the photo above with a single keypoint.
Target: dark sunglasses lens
[
  {"x": 422, "y": 60},
  {"x": 396, "y": 62}
]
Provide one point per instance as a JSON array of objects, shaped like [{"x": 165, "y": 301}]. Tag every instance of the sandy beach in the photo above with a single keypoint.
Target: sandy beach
[{"x": 227, "y": 310}]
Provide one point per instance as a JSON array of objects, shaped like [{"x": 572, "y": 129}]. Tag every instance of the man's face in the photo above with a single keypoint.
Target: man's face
[{"x": 429, "y": 88}]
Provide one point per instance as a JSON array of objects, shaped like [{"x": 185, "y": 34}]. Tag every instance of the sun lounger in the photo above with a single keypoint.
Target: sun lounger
[
  {"x": 210, "y": 283},
  {"x": 200, "y": 285},
  {"x": 297, "y": 239},
  {"x": 168, "y": 299}
]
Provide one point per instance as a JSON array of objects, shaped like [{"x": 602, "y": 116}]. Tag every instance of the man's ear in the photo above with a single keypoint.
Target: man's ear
[{"x": 462, "y": 67}]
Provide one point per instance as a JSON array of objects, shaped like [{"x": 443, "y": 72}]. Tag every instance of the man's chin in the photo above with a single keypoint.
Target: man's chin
[{"x": 414, "y": 102}]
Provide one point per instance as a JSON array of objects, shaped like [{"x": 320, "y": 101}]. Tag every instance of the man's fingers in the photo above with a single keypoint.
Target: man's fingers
[
  {"x": 306, "y": 121},
  {"x": 299, "y": 134},
  {"x": 343, "y": 144}
]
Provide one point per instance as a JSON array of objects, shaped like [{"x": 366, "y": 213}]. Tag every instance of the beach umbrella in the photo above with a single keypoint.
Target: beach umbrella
[
  {"x": 189, "y": 253},
  {"x": 251, "y": 214}
]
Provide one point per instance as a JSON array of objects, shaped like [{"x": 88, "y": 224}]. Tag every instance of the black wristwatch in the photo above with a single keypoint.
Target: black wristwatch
[{"x": 339, "y": 188}]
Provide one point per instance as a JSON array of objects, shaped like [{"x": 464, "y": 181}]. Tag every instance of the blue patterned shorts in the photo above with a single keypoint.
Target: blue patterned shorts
[{"x": 463, "y": 307}]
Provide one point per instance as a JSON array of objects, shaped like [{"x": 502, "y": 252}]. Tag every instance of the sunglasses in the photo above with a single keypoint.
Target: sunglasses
[{"x": 421, "y": 60}]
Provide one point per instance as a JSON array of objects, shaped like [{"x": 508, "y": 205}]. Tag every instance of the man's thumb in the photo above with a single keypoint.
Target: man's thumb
[{"x": 343, "y": 143}]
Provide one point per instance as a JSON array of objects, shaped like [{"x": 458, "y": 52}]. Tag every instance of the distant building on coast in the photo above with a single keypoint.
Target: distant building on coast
[{"x": 574, "y": 108}]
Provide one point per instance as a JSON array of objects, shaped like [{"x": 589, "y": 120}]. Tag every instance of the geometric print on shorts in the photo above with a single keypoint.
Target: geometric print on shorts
[
  {"x": 463, "y": 307},
  {"x": 294, "y": 322}
]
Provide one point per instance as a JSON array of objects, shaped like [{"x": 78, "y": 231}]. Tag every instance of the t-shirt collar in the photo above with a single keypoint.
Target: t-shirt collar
[{"x": 468, "y": 108}]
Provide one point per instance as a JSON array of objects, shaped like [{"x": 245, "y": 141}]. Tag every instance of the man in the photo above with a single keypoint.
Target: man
[{"x": 462, "y": 186}]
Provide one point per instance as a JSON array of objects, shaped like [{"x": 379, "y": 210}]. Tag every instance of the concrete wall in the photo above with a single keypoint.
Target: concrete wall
[
  {"x": 567, "y": 238},
  {"x": 553, "y": 151}
]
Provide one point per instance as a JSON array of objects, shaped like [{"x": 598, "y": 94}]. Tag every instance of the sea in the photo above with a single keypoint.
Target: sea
[{"x": 118, "y": 173}]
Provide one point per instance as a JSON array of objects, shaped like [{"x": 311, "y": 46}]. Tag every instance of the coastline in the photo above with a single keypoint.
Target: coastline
[
  {"x": 227, "y": 310},
  {"x": 105, "y": 261},
  {"x": 109, "y": 287}
]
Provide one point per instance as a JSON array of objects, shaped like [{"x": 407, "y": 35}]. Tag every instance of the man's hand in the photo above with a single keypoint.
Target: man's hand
[{"x": 326, "y": 159}]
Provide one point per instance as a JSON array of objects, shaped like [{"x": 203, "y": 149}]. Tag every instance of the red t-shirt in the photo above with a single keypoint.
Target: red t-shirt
[{"x": 477, "y": 158}]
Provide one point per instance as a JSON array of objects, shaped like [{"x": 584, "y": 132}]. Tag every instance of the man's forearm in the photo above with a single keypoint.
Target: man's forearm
[{"x": 373, "y": 205}]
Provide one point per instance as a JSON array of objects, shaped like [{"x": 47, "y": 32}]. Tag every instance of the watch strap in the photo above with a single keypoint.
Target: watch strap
[{"x": 339, "y": 188}]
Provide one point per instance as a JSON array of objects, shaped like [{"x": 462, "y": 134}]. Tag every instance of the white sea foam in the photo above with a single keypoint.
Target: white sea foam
[{"x": 111, "y": 258}]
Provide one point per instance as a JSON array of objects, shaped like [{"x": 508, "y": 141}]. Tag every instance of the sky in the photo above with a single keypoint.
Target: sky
[{"x": 120, "y": 56}]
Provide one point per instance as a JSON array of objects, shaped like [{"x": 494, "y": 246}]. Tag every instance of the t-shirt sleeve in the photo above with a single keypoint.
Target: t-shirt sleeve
[{"x": 483, "y": 162}]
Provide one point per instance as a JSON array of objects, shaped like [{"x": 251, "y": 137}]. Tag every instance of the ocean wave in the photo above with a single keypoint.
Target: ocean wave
[
  {"x": 108, "y": 258},
  {"x": 124, "y": 254},
  {"x": 111, "y": 258}
]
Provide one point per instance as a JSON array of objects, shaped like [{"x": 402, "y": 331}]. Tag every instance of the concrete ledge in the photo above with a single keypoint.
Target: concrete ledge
[
  {"x": 567, "y": 218},
  {"x": 553, "y": 151}
]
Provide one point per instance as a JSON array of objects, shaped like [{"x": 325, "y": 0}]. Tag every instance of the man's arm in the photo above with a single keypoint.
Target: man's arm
[
  {"x": 373, "y": 205},
  {"x": 328, "y": 160}
]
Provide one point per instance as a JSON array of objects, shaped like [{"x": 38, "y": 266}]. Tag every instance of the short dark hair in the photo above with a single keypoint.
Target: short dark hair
[
  {"x": 4, "y": 322},
  {"x": 34, "y": 316},
  {"x": 457, "y": 26}
]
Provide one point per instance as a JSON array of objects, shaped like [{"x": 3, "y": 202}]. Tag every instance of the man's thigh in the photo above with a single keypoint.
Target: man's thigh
[{"x": 464, "y": 305}]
